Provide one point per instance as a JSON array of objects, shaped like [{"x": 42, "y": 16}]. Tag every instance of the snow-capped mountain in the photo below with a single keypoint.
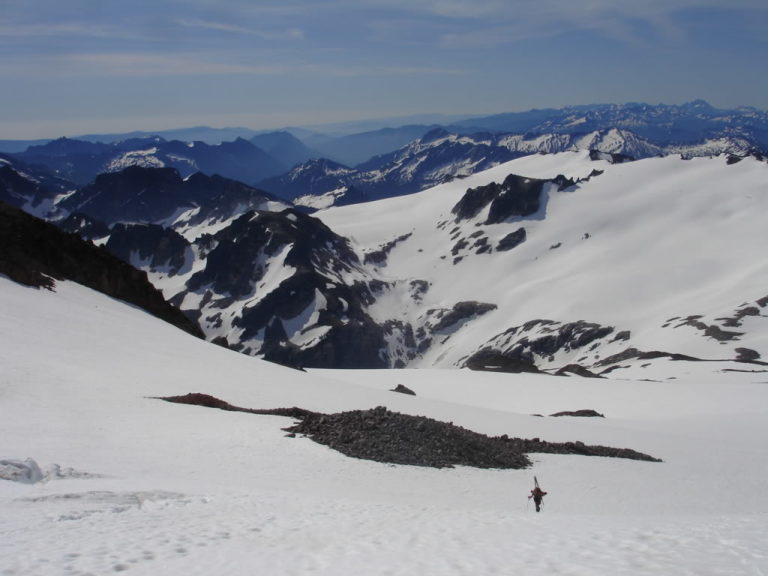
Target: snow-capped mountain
[
  {"x": 312, "y": 178},
  {"x": 33, "y": 189},
  {"x": 663, "y": 124},
  {"x": 565, "y": 262},
  {"x": 162, "y": 196},
  {"x": 441, "y": 156},
  {"x": 610, "y": 268},
  {"x": 509, "y": 287},
  {"x": 81, "y": 161}
]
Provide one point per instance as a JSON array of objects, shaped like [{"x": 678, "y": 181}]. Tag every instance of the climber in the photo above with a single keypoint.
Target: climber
[{"x": 538, "y": 495}]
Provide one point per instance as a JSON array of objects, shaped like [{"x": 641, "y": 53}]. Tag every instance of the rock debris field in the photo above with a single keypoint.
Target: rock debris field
[{"x": 381, "y": 435}]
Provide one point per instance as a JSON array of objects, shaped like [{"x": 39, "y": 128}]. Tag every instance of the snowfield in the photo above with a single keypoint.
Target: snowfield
[
  {"x": 122, "y": 482},
  {"x": 633, "y": 246}
]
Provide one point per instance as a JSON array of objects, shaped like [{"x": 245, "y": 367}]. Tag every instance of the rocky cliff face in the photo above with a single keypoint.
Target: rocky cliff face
[
  {"x": 36, "y": 253},
  {"x": 30, "y": 188},
  {"x": 280, "y": 285},
  {"x": 162, "y": 196}
]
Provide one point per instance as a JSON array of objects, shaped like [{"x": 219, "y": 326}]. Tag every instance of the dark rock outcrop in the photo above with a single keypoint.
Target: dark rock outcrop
[
  {"x": 36, "y": 253},
  {"x": 85, "y": 226},
  {"x": 134, "y": 195},
  {"x": 326, "y": 282},
  {"x": 516, "y": 197},
  {"x": 511, "y": 240},
  {"x": 15, "y": 189},
  {"x": 747, "y": 354},
  {"x": 474, "y": 201},
  {"x": 155, "y": 245},
  {"x": 711, "y": 330},
  {"x": 379, "y": 257},
  {"x": 634, "y": 353},
  {"x": 516, "y": 349},
  {"x": 610, "y": 157},
  {"x": 578, "y": 370},
  {"x": 589, "y": 413},
  {"x": 402, "y": 389},
  {"x": 461, "y": 313},
  {"x": 384, "y": 436},
  {"x": 490, "y": 360},
  {"x": 28, "y": 187},
  {"x": 81, "y": 161},
  {"x": 150, "y": 195}
]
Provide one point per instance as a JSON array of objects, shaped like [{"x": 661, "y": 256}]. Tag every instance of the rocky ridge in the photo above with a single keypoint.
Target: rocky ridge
[{"x": 37, "y": 253}]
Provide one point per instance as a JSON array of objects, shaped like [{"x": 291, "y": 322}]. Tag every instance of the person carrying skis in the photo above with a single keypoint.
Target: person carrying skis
[{"x": 538, "y": 496}]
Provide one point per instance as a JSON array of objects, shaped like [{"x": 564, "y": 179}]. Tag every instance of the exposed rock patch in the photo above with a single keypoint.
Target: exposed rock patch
[
  {"x": 511, "y": 240},
  {"x": 153, "y": 244},
  {"x": 578, "y": 370},
  {"x": 579, "y": 413},
  {"x": 384, "y": 436},
  {"x": 517, "y": 349},
  {"x": 610, "y": 157},
  {"x": 461, "y": 313},
  {"x": 747, "y": 354},
  {"x": 490, "y": 360},
  {"x": 316, "y": 316},
  {"x": 710, "y": 330},
  {"x": 402, "y": 389},
  {"x": 379, "y": 257},
  {"x": 634, "y": 353},
  {"x": 417, "y": 289},
  {"x": 517, "y": 196}
]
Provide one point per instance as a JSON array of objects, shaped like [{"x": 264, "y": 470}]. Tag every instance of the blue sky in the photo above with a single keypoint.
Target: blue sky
[{"x": 77, "y": 66}]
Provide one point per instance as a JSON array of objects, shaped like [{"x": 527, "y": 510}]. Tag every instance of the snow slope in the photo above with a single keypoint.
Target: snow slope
[
  {"x": 147, "y": 487},
  {"x": 633, "y": 248}
]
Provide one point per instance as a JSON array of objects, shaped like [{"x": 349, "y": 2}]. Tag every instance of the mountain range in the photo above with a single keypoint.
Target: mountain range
[
  {"x": 564, "y": 262},
  {"x": 589, "y": 252},
  {"x": 687, "y": 123},
  {"x": 80, "y": 161},
  {"x": 352, "y": 168},
  {"x": 440, "y": 156},
  {"x": 176, "y": 391}
]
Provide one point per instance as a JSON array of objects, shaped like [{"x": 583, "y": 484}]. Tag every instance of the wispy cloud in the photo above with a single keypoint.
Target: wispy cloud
[
  {"x": 277, "y": 34},
  {"x": 139, "y": 64},
  {"x": 51, "y": 35},
  {"x": 494, "y": 22},
  {"x": 547, "y": 18},
  {"x": 52, "y": 30},
  {"x": 147, "y": 64}
]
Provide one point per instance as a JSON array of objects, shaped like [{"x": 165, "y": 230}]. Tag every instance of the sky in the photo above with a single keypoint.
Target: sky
[{"x": 85, "y": 66}]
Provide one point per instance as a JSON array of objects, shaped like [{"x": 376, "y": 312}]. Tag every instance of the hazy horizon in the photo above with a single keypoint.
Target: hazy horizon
[{"x": 78, "y": 68}]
